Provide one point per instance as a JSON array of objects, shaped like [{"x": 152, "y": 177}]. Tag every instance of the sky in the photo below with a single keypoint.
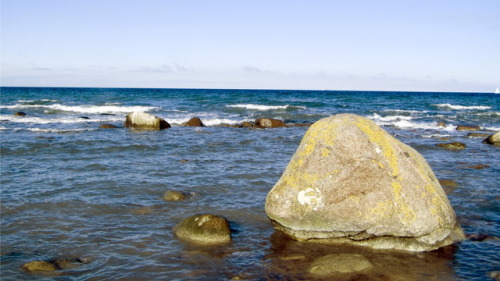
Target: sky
[{"x": 391, "y": 45}]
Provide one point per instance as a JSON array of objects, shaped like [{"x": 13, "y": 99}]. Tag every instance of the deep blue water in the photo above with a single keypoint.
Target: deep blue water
[{"x": 71, "y": 189}]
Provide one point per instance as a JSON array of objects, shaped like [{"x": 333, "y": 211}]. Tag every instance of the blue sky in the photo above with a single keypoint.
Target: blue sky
[{"x": 446, "y": 45}]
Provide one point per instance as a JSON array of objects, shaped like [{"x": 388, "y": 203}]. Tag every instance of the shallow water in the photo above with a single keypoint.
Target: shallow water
[{"x": 71, "y": 190}]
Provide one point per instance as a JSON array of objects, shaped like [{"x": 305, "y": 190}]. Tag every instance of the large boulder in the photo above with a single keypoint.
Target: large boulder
[
  {"x": 351, "y": 182},
  {"x": 145, "y": 121},
  {"x": 493, "y": 139}
]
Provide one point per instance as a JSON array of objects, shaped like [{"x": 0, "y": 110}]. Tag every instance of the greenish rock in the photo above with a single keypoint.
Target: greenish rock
[
  {"x": 339, "y": 263},
  {"x": 145, "y": 121},
  {"x": 173, "y": 195},
  {"x": 204, "y": 229},
  {"x": 468, "y": 128},
  {"x": 452, "y": 145},
  {"x": 477, "y": 135},
  {"x": 448, "y": 183},
  {"x": 350, "y": 182},
  {"x": 269, "y": 123},
  {"x": 40, "y": 266},
  {"x": 493, "y": 139}
]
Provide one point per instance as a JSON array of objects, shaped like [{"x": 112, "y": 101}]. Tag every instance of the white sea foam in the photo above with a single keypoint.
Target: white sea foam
[
  {"x": 462, "y": 107},
  {"x": 59, "y": 131},
  {"x": 263, "y": 107},
  {"x": 50, "y": 120},
  {"x": 87, "y": 109},
  {"x": 407, "y": 122}
]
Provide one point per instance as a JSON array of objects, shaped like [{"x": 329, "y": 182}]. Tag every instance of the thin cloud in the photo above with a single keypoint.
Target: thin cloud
[{"x": 251, "y": 68}]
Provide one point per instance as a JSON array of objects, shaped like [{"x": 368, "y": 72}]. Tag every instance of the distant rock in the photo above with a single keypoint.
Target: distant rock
[
  {"x": 493, "y": 139},
  {"x": 452, "y": 145},
  {"x": 246, "y": 124},
  {"x": 339, "y": 263},
  {"x": 194, "y": 122},
  {"x": 173, "y": 195},
  {"x": 107, "y": 126},
  {"x": 145, "y": 121},
  {"x": 20, "y": 113},
  {"x": 441, "y": 124},
  {"x": 468, "y": 128},
  {"x": 269, "y": 123},
  {"x": 204, "y": 229},
  {"x": 478, "y": 166},
  {"x": 477, "y": 135},
  {"x": 351, "y": 182}
]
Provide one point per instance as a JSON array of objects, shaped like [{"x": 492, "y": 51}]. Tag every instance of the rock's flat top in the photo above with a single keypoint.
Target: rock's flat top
[{"x": 351, "y": 182}]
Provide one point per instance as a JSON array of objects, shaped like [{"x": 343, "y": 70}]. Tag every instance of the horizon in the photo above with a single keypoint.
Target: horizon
[{"x": 320, "y": 45}]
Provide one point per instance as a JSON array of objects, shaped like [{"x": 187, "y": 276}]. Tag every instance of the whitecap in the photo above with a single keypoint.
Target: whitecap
[
  {"x": 264, "y": 107},
  {"x": 88, "y": 109},
  {"x": 64, "y": 120},
  {"x": 462, "y": 107}
]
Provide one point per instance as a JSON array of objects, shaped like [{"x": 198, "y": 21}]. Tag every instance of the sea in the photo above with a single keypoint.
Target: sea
[{"x": 92, "y": 197}]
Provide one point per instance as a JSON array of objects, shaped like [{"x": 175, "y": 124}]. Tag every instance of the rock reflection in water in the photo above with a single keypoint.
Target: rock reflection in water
[{"x": 292, "y": 260}]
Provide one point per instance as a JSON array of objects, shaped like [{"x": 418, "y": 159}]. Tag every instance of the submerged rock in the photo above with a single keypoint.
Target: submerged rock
[
  {"x": 204, "y": 229},
  {"x": 40, "y": 266},
  {"x": 493, "y": 139},
  {"x": 145, "y": 121},
  {"x": 173, "y": 195},
  {"x": 452, "y": 145},
  {"x": 351, "y": 182},
  {"x": 269, "y": 123},
  {"x": 20, "y": 113},
  {"x": 468, "y": 128},
  {"x": 477, "y": 135},
  {"x": 107, "y": 126},
  {"x": 194, "y": 122},
  {"x": 339, "y": 263}
]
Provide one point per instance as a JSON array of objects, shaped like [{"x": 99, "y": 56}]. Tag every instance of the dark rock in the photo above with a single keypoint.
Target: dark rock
[
  {"x": 145, "y": 121},
  {"x": 246, "y": 124},
  {"x": 468, "y": 128},
  {"x": 194, "y": 122},
  {"x": 84, "y": 117},
  {"x": 20, "y": 113},
  {"x": 477, "y": 135},
  {"x": 452, "y": 145},
  {"x": 269, "y": 123},
  {"x": 448, "y": 183},
  {"x": 107, "y": 126},
  {"x": 493, "y": 139},
  {"x": 478, "y": 166},
  {"x": 204, "y": 229},
  {"x": 173, "y": 195},
  {"x": 299, "y": 125}
]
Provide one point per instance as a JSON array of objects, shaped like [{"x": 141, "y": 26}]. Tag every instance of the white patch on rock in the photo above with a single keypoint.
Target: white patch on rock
[
  {"x": 310, "y": 196},
  {"x": 378, "y": 150},
  {"x": 202, "y": 221}
]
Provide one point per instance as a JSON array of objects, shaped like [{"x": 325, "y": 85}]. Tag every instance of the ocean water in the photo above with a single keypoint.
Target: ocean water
[{"x": 71, "y": 190}]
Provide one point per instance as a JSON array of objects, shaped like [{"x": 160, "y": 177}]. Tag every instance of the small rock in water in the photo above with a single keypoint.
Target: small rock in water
[
  {"x": 269, "y": 123},
  {"x": 468, "y": 128},
  {"x": 477, "y": 135},
  {"x": 478, "y": 167},
  {"x": 441, "y": 124},
  {"x": 495, "y": 275},
  {"x": 204, "y": 229},
  {"x": 194, "y": 122},
  {"x": 448, "y": 183},
  {"x": 452, "y": 145},
  {"x": 20, "y": 113},
  {"x": 107, "y": 126},
  {"x": 339, "y": 263},
  {"x": 40, "y": 266},
  {"x": 493, "y": 139},
  {"x": 173, "y": 195}
]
